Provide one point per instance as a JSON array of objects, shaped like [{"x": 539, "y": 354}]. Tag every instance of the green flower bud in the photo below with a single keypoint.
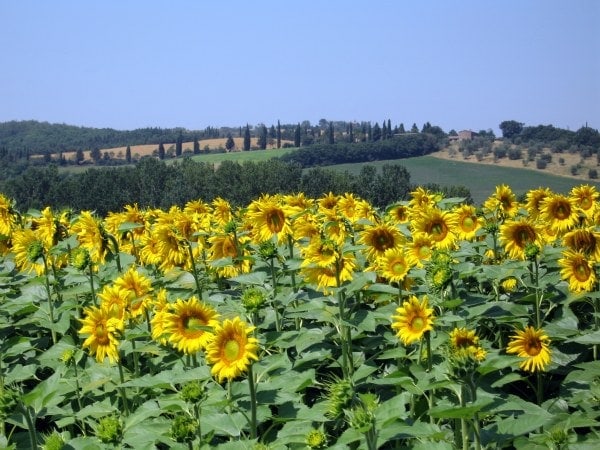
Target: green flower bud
[
  {"x": 53, "y": 441},
  {"x": 253, "y": 299},
  {"x": 267, "y": 250},
  {"x": 109, "y": 430},
  {"x": 340, "y": 393},
  {"x": 531, "y": 251},
  {"x": 35, "y": 251},
  {"x": 193, "y": 392},
  {"x": 80, "y": 258},
  {"x": 184, "y": 428},
  {"x": 230, "y": 227},
  {"x": 316, "y": 439}
]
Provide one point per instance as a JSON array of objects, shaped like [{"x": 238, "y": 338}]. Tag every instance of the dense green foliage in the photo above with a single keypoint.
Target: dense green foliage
[
  {"x": 153, "y": 183},
  {"x": 404, "y": 146}
]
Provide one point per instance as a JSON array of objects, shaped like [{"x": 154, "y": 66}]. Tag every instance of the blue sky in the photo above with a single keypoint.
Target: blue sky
[{"x": 456, "y": 64}]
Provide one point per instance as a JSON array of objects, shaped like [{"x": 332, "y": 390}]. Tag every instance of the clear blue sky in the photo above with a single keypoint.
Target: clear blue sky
[{"x": 457, "y": 64}]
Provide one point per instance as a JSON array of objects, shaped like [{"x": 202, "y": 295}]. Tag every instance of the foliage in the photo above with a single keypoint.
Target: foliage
[{"x": 331, "y": 370}]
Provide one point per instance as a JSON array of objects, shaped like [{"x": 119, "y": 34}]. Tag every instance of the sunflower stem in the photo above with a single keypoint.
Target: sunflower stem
[
  {"x": 92, "y": 290},
  {"x": 596, "y": 325},
  {"x": 50, "y": 303},
  {"x": 194, "y": 269},
  {"x": 464, "y": 429},
  {"x": 30, "y": 426},
  {"x": 274, "y": 302},
  {"x": 252, "y": 388},
  {"x": 115, "y": 244},
  {"x": 476, "y": 426},
  {"x": 539, "y": 388},
  {"x": 122, "y": 389}
]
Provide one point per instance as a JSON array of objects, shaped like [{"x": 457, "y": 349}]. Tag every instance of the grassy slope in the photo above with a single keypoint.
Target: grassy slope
[{"x": 480, "y": 179}]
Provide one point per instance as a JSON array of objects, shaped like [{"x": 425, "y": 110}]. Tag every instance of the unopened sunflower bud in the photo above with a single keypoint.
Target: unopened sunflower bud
[
  {"x": 193, "y": 392},
  {"x": 184, "y": 428},
  {"x": 109, "y": 430},
  {"x": 54, "y": 441},
  {"x": 253, "y": 299},
  {"x": 35, "y": 251},
  {"x": 316, "y": 439},
  {"x": 80, "y": 258},
  {"x": 531, "y": 251},
  {"x": 267, "y": 250}
]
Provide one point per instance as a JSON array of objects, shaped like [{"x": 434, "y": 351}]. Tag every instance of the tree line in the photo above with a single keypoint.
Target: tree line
[{"x": 153, "y": 183}]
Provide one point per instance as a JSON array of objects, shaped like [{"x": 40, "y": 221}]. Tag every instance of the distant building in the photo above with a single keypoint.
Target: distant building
[{"x": 464, "y": 135}]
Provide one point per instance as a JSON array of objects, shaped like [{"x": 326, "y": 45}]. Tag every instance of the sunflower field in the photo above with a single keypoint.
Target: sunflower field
[{"x": 304, "y": 323}]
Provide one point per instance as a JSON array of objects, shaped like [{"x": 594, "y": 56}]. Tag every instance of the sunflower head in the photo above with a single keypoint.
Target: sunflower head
[
  {"x": 54, "y": 441},
  {"x": 80, "y": 258},
  {"x": 232, "y": 349},
  {"x": 465, "y": 353},
  {"x": 532, "y": 345},
  {"x": 578, "y": 270},
  {"x": 413, "y": 319}
]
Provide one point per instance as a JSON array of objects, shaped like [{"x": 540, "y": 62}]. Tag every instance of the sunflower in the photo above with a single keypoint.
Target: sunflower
[
  {"x": 379, "y": 238},
  {"x": 161, "y": 308},
  {"x": 423, "y": 198},
  {"x": 268, "y": 218},
  {"x": 222, "y": 213},
  {"x": 28, "y": 249},
  {"x": 325, "y": 265},
  {"x": 420, "y": 249},
  {"x": 102, "y": 329},
  {"x": 115, "y": 301},
  {"x": 466, "y": 342},
  {"x": 8, "y": 218},
  {"x": 534, "y": 199},
  {"x": 149, "y": 249},
  {"x": 171, "y": 246},
  {"x": 503, "y": 201},
  {"x": 186, "y": 325},
  {"x": 585, "y": 198},
  {"x": 223, "y": 246},
  {"x": 559, "y": 212},
  {"x": 328, "y": 204},
  {"x": 517, "y": 234},
  {"x": 231, "y": 350},
  {"x": 413, "y": 319},
  {"x": 199, "y": 213},
  {"x": 438, "y": 225},
  {"x": 135, "y": 221},
  {"x": 48, "y": 228},
  {"x": 533, "y": 345},
  {"x": 398, "y": 213},
  {"x": 467, "y": 222},
  {"x": 578, "y": 270},
  {"x": 585, "y": 240},
  {"x": 138, "y": 286},
  {"x": 92, "y": 236},
  {"x": 393, "y": 265}
]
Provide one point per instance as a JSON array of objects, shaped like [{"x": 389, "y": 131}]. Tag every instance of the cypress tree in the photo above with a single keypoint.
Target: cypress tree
[
  {"x": 297, "y": 136},
  {"x": 179, "y": 145},
  {"x": 331, "y": 136},
  {"x": 278, "y": 134},
  {"x": 196, "y": 146},
  {"x": 128, "y": 154},
  {"x": 161, "y": 151},
  {"x": 247, "y": 138}
]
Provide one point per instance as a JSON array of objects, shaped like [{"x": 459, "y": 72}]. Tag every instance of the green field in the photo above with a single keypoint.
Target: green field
[{"x": 478, "y": 178}]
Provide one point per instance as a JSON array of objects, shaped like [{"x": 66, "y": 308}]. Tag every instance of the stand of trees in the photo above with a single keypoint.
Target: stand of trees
[{"x": 152, "y": 183}]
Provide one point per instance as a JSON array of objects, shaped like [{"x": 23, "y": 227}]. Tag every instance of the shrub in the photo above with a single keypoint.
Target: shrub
[{"x": 541, "y": 163}]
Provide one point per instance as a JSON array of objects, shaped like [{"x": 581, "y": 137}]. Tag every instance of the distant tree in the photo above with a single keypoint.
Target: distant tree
[
  {"x": 297, "y": 136},
  {"x": 95, "y": 154},
  {"x": 230, "y": 143},
  {"x": 179, "y": 145},
  {"x": 262, "y": 137},
  {"x": 79, "y": 156},
  {"x": 350, "y": 132},
  {"x": 278, "y": 134},
  {"x": 389, "y": 129},
  {"x": 161, "y": 151},
  {"x": 247, "y": 138},
  {"x": 414, "y": 128},
  {"x": 384, "y": 131},
  {"x": 401, "y": 129},
  {"x": 272, "y": 132},
  {"x": 376, "y": 132},
  {"x": 369, "y": 132},
  {"x": 128, "y": 154},
  {"x": 426, "y": 127},
  {"x": 47, "y": 156},
  {"x": 510, "y": 128},
  {"x": 196, "y": 146}
]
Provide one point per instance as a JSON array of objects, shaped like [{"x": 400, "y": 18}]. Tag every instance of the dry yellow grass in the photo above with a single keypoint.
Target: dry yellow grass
[{"x": 149, "y": 149}]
